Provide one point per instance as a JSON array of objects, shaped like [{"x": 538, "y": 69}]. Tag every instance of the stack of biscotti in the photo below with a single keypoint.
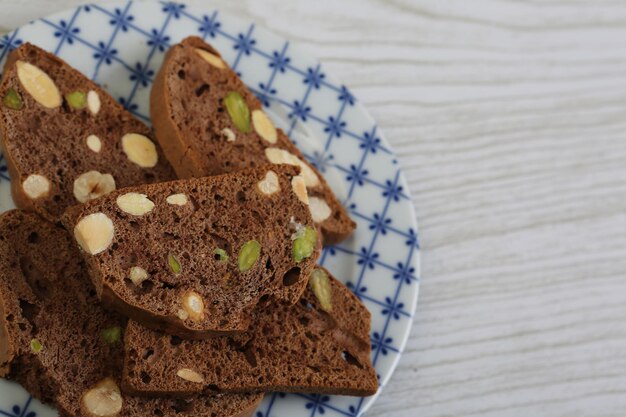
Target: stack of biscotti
[
  {"x": 285, "y": 335},
  {"x": 60, "y": 344},
  {"x": 132, "y": 293}
]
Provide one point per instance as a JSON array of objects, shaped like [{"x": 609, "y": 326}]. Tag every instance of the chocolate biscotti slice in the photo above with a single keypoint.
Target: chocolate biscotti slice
[
  {"x": 208, "y": 122},
  {"x": 320, "y": 345},
  {"x": 194, "y": 257},
  {"x": 60, "y": 344},
  {"x": 67, "y": 141}
]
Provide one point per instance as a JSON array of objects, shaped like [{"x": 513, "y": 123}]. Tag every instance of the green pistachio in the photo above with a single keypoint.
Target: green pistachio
[
  {"x": 13, "y": 100},
  {"x": 35, "y": 346},
  {"x": 248, "y": 255},
  {"x": 76, "y": 99},
  {"x": 174, "y": 264},
  {"x": 320, "y": 284},
  {"x": 221, "y": 255},
  {"x": 112, "y": 335},
  {"x": 238, "y": 111},
  {"x": 304, "y": 244}
]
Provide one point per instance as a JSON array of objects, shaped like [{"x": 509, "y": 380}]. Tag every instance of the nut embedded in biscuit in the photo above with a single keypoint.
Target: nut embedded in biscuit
[
  {"x": 193, "y": 305},
  {"x": 238, "y": 110},
  {"x": 320, "y": 210},
  {"x": 93, "y": 184},
  {"x": 304, "y": 244},
  {"x": 298, "y": 185},
  {"x": 229, "y": 134},
  {"x": 94, "y": 143},
  {"x": 140, "y": 150},
  {"x": 264, "y": 126},
  {"x": 182, "y": 314},
  {"x": 35, "y": 346},
  {"x": 94, "y": 233},
  {"x": 211, "y": 58},
  {"x": 103, "y": 400},
  {"x": 269, "y": 185},
  {"x": 76, "y": 99},
  {"x": 36, "y": 186},
  {"x": 111, "y": 335},
  {"x": 281, "y": 156},
  {"x": 190, "y": 375},
  {"x": 138, "y": 275},
  {"x": 135, "y": 203},
  {"x": 248, "y": 255},
  {"x": 13, "y": 100},
  {"x": 174, "y": 264},
  {"x": 320, "y": 284},
  {"x": 38, "y": 84},
  {"x": 93, "y": 102},
  {"x": 177, "y": 199}
]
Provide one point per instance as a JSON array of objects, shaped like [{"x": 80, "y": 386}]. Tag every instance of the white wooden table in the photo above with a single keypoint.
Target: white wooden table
[{"x": 510, "y": 120}]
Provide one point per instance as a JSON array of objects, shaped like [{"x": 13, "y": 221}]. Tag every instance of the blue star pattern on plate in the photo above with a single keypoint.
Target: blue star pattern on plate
[{"x": 121, "y": 46}]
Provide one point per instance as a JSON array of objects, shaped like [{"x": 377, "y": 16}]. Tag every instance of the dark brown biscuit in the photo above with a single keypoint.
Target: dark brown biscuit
[
  {"x": 65, "y": 139},
  {"x": 208, "y": 122},
  {"x": 194, "y": 257}
]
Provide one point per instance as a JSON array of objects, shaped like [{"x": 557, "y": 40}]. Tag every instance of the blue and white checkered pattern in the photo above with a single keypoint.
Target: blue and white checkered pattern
[{"x": 121, "y": 46}]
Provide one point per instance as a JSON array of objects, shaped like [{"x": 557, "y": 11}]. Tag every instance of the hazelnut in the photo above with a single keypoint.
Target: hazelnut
[
  {"x": 94, "y": 143},
  {"x": 193, "y": 305},
  {"x": 182, "y": 314},
  {"x": 211, "y": 58},
  {"x": 93, "y": 184},
  {"x": 103, "y": 400},
  {"x": 299, "y": 188},
  {"x": 320, "y": 210},
  {"x": 38, "y": 84},
  {"x": 36, "y": 186},
  {"x": 93, "y": 102},
  {"x": 269, "y": 185},
  {"x": 281, "y": 156},
  {"x": 190, "y": 375},
  {"x": 135, "y": 204},
  {"x": 140, "y": 150},
  {"x": 264, "y": 126},
  {"x": 94, "y": 233},
  {"x": 177, "y": 199},
  {"x": 229, "y": 134},
  {"x": 138, "y": 275}
]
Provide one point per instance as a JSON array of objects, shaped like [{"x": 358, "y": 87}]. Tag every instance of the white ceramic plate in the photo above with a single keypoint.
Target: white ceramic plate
[{"x": 121, "y": 46}]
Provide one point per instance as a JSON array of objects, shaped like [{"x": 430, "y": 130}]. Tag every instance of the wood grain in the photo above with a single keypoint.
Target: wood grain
[{"x": 510, "y": 120}]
